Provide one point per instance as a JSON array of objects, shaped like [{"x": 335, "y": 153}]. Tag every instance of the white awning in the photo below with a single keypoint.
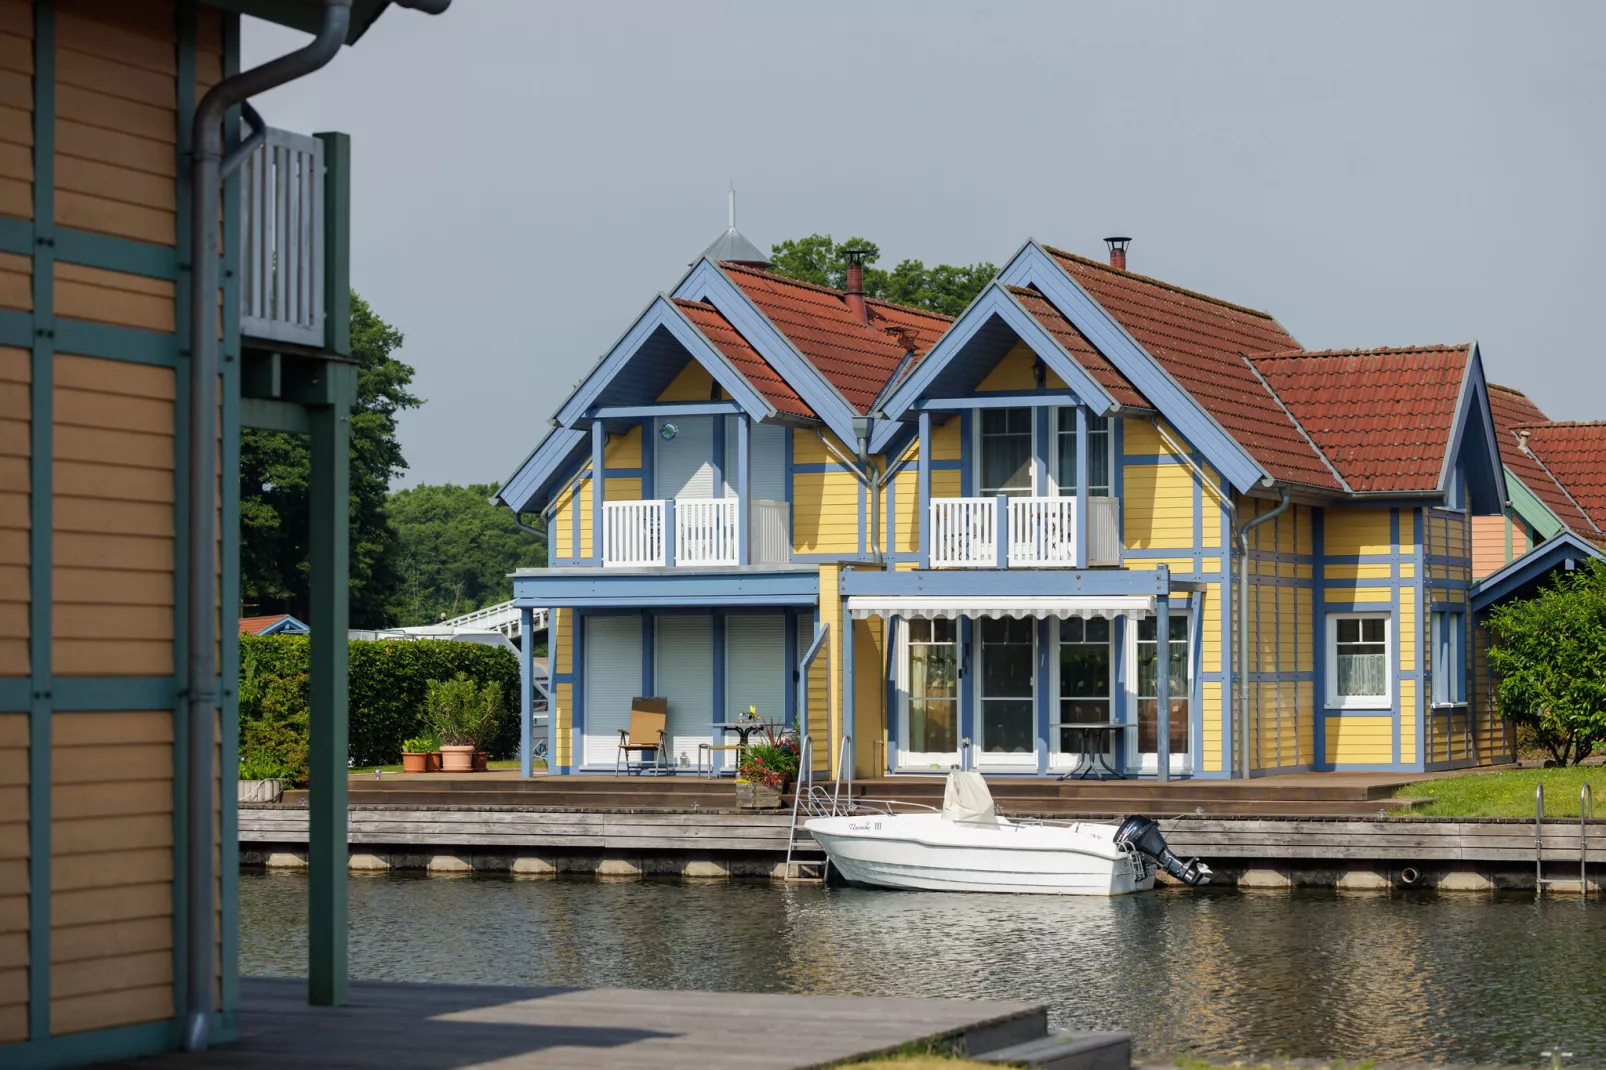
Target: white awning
[{"x": 1061, "y": 606}]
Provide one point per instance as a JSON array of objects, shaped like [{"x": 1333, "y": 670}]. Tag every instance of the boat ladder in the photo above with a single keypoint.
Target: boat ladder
[
  {"x": 1586, "y": 813},
  {"x": 809, "y": 799}
]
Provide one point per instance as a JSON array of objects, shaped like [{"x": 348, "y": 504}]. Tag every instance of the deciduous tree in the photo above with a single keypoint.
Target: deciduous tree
[{"x": 944, "y": 288}]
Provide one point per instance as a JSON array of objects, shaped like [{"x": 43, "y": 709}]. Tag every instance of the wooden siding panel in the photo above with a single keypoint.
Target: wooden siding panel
[
  {"x": 624, "y": 451},
  {"x": 16, "y": 115},
  {"x": 15, "y": 481},
  {"x": 693, "y": 383},
  {"x": 13, "y": 892},
  {"x": 1351, "y": 532},
  {"x": 114, "y": 297},
  {"x": 1360, "y": 740},
  {"x": 825, "y": 512},
  {"x": 1157, "y": 507},
  {"x": 16, "y": 280}
]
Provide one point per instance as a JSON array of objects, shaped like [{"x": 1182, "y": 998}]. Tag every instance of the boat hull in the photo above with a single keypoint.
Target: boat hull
[{"x": 927, "y": 853}]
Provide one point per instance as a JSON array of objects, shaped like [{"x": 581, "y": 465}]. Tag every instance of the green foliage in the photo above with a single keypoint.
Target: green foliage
[
  {"x": 388, "y": 686},
  {"x": 274, "y": 467},
  {"x": 424, "y": 744},
  {"x": 273, "y": 725},
  {"x": 1549, "y": 656},
  {"x": 770, "y": 761},
  {"x": 456, "y": 551},
  {"x": 1505, "y": 794},
  {"x": 944, "y": 288},
  {"x": 461, "y": 712}
]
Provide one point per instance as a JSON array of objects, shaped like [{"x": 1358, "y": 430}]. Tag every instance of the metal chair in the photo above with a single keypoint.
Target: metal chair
[
  {"x": 646, "y": 735},
  {"x": 709, "y": 749}
]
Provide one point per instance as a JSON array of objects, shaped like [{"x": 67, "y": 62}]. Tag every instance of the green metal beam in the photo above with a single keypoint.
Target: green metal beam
[
  {"x": 274, "y": 416},
  {"x": 329, "y": 546},
  {"x": 337, "y": 241}
]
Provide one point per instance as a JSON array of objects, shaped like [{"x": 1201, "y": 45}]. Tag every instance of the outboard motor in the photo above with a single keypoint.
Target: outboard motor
[{"x": 1142, "y": 834}]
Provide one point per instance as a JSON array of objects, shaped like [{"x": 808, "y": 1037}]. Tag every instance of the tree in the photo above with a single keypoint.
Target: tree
[
  {"x": 945, "y": 288},
  {"x": 1549, "y": 653},
  {"x": 274, "y": 467},
  {"x": 456, "y": 550}
]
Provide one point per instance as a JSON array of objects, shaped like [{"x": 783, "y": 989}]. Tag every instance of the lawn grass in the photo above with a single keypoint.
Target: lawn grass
[
  {"x": 920, "y": 1062},
  {"x": 1508, "y": 794}
]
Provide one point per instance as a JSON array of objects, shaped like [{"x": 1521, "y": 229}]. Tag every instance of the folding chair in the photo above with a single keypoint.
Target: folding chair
[{"x": 646, "y": 735}]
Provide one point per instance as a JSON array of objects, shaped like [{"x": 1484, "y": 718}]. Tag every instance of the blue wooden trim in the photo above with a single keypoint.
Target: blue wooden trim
[
  {"x": 889, "y": 518},
  {"x": 717, "y": 448},
  {"x": 890, "y": 700},
  {"x": 1488, "y": 480},
  {"x": 663, "y": 313},
  {"x": 574, "y": 523},
  {"x": 41, "y": 336},
  {"x": 621, "y": 473},
  {"x": 706, "y": 282},
  {"x": 648, "y": 470},
  {"x": 967, "y": 690},
  {"x": 995, "y": 301},
  {"x": 967, "y": 460},
  {"x": 577, "y": 706},
  {"x": 983, "y": 582},
  {"x": 1319, "y": 612},
  {"x": 596, "y": 588},
  {"x": 1531, "y": 567},
  {"x": 818, "y": 467},
  {"x": 1036, "y": 267},
  {"x": 661, "y": 409},
  {"x": 1040, "y": 454},
  {"x": 524, "y": 490},
  {"x": 1196, "y": 682},
  {"x": 1082, "y": 474},
  {"x": 997, "y": 399},
  {"x": 790, "y": 469},
  {"x": 923, "y": 506},
  {"x": 1041, "y": 691},
  {"x": 790, "y": 639},
  {"x": 116, "y": 343},
  {"x": 527, "y": 693},
  {"x": 599, "y": 490}
]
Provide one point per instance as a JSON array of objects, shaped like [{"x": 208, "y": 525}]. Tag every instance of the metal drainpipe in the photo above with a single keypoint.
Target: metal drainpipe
[
  {"x": 207, "y": 170},
  {"x": 1243, "y": 627}
]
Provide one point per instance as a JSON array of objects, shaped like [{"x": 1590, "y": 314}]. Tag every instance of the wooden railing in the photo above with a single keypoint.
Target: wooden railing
[
  {"x": 705, "y": 531},
  {"x": 633, "y": 534},
  {"x": 693, "y": 531},
  {"x": 282, "y": 247},
  {"x": 964, "y": 532},
  {"x": 1038, "y": 532}
]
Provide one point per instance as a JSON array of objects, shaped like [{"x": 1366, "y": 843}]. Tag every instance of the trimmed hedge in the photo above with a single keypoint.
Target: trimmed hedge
[{"x": 387, "y": 683}]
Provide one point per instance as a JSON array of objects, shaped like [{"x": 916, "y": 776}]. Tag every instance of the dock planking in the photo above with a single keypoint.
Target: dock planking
[{"x": 398, "y": 1026}]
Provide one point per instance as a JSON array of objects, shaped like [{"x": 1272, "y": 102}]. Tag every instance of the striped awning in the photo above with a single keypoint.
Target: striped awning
[{"x": 1061, "y": 606}]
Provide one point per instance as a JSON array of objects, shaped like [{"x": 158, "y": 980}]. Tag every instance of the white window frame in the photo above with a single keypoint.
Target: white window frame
[
  {"x": 907, "y": 759},
  {"x": 1361, "y": 702},
  {"x": 1068, "y": 759},
  {"x": 1057, "y": 480},
  {"x": 1034, "y": 458},
  {"x": 1145, "y": 761},
  {"x": 1449, "y": 634},
  {"x": 980, "y": 758}
]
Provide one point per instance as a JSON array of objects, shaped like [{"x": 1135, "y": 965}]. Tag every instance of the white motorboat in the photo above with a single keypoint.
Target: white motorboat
[{"x": 968, "y": 847}]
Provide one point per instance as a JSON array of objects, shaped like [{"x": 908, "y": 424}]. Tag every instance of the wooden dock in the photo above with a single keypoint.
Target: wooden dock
[{"x": 391, "y": 1026}]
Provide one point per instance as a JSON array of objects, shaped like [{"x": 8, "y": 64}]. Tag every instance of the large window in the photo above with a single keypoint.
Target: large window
[
  {"x": 1099, "y": 455},
  {"x": 1006, "y": 452},
  {"x": 1358, "y": 660},
  {"x": 933, "y": 687},
  {"x": 1449, "y": 659},
  {"x": 1176, "y": 686},
  {"x": 1086, "y": 677},
  {"x": 1007, "y": 685}
]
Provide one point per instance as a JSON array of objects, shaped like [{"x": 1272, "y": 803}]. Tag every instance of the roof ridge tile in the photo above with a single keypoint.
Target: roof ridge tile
[{"x": 1122, "y": 273}]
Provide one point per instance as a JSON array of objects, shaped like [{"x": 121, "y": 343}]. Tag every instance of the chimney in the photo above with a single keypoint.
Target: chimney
[
  {"x": 1522, "y": 442},
  {"x": 1118, "y": 252},
  {"x": 855, "y": 290}
]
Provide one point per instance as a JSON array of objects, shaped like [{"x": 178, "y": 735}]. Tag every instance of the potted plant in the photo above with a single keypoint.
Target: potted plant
[
  {"x": 463, "y": 714},
  {"x": 766, "y": 770},
  {"x": 416, "y": 754}
]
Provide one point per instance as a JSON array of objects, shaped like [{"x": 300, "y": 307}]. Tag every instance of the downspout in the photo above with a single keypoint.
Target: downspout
[
  {"x": 1243, "y": 627},
  {"x": 207, "y": 169}
]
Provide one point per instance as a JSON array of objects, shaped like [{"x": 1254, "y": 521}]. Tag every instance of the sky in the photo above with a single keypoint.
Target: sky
[{"x": 529, "y": 175}]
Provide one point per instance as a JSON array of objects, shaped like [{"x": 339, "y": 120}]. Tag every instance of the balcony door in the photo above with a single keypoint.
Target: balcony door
[
  {"x": 1004, "y": 452},
  {"x": 928, "y": 693},
  {"x": 1085, "y": 685},
  {"x": 1142, "y": 651},
  {"x": 1006, "y": 729},
  {"x": 683, "y": 457}
]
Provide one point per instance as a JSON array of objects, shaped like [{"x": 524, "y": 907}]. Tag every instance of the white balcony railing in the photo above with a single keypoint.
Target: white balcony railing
[
  {"x": 281, "y": 249},
  {"x": 632, "y": 534},
  {"x": 770, "y": 528},
  {"x": 1039, "y": 532},
  {"x": 705, "y": 531},
  {"x": 702, "y": 531}
]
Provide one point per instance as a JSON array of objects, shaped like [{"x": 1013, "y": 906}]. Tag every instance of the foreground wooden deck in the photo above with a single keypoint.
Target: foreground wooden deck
[{"x": 451, "y": 1027}]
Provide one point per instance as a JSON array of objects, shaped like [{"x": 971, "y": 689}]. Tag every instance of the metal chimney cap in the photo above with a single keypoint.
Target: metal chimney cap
[{"x": 1117, "y": 243}]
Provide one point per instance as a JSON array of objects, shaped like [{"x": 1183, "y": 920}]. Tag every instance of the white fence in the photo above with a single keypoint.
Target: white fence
[
  {"x": 1041, "y": 532},
  {"x": 770, "y": 528},
  {"x": 281, "y": 284},
  {"x": 632, "y": 534},
  {"x": 705, "y": 531}
]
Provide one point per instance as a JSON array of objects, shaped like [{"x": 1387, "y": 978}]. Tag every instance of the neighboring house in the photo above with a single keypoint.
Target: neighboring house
[
  {"x": 118, "y": 937},
  {"x": 995, "y": 512},
  {"x": 278, "y": 624}
]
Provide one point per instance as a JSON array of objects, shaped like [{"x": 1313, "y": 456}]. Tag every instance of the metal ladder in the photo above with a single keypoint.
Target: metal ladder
[
  {"x": 1586, "y": 814},
  {"x": 803, "y": 790}
]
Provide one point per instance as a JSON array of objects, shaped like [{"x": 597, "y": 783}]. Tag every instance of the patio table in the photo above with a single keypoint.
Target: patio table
[{"x": 1092, "y": 757}]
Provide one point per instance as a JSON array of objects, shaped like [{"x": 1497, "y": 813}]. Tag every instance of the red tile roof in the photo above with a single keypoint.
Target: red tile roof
[
  {"x": 1081, "y": 350},
  {"x": 857, "y": 358},
  {"x": 257, "y": 625},
  {"x": 1200, "y": 341},
  {"x": 1382, "y": 416},
  {"x": 1512, "y": 410},
  {"x": 1575, "y": 453},
  {"x": 765, "y": 379}
]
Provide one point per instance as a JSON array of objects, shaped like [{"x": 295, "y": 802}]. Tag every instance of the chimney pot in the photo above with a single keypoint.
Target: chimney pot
[
  {"x": 1118, "y": 251},
  {"x": 855, "y": 291}
]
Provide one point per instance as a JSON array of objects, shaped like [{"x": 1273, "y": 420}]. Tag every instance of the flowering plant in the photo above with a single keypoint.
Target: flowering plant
[{"x": 772, "y": 762}]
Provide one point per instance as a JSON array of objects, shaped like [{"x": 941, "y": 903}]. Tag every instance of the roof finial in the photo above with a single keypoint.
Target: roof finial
[{"x": 733, "y": 204}]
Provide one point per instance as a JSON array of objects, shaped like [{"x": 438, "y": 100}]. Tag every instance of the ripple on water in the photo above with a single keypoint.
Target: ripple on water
[{"x": 1230, "y": 974}]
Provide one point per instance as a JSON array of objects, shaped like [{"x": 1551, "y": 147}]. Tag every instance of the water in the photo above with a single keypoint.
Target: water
[{"x": 1221, "y": 973}]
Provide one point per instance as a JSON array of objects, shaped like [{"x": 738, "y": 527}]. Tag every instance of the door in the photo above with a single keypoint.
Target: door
[
  {"x": 756, "y": 673},
  {"x": 612, "y": 678},
  {"x": 928, "y": 693},
  {"x": 1007, "y": 684},
  {"x": 1143, "y": 745},
  {"x": 683, "y": 673},
  {"x": 1085, "y": 679}
]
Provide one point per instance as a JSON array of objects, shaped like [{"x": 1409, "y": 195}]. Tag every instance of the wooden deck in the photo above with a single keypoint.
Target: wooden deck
[{"x": 391, "y": 1026}]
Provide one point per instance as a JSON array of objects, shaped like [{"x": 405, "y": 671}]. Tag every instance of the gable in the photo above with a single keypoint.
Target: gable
[{"x": 1533, "y": 491}]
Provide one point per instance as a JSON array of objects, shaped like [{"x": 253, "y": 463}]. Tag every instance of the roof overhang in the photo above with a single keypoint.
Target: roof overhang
[
  {"x": 531, "y": 486},
  {"x": 1527, "y": 505},
  {"x": 1527, "y": 573}
]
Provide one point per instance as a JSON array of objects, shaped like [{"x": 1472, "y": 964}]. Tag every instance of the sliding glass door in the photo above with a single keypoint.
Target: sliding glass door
[
  {"x": 929, "y": 692},
  {"x": 1142, "y": 649},
  {"x": 1086, "y": 685},
  {"x": 1006, "y": 730}
]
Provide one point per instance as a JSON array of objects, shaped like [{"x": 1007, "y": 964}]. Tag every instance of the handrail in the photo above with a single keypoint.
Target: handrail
[
  {"x": 798, "y": 790},
  {"x": 1539, "y": 838},
  {"x": 841, "y": 764}
]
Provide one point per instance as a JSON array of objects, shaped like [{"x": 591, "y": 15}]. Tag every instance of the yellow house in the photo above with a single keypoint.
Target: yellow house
[
  {"x": 927, "y": 544},
  {"x": 129, "y": 184}
]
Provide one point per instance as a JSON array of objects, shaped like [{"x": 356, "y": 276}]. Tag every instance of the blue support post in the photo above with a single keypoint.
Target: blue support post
[
  {"x": 599, "y": 482},
  {"x": 923, "y": 509},
  {"x": 744, "y": 508},
  {"x": 791, "y": 668},
  {"x": 847, "y": 686},
  {"x": 1001, "y": 530},
  {"x": 1045, "y": 700},
  {"x": 718, "y": 458},
  {"x": 552, "y": 689},
  {"x": 1162, "y": 687},
  {"x": 1081, "y": 486},
  {"x": 526, "y": 691}
]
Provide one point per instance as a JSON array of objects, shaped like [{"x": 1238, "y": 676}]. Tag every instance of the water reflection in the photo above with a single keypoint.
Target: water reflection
[{"x": 1228, "y": 974}]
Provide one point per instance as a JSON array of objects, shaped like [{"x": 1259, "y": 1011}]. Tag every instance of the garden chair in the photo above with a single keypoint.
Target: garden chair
[{"x": 646, "y": 737}]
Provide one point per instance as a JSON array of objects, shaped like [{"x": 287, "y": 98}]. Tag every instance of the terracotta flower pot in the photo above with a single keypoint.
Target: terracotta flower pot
[
  {"x": 757, "y": 796},
  {"x": 457, "y": 759},
  {"x": 415, "y": 762},
  {"x": 434, "y": 757},
  {"x": 482, "y": 761}
]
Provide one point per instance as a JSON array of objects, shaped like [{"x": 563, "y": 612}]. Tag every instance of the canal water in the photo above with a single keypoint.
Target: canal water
[{"x": 1222, "y": 973}]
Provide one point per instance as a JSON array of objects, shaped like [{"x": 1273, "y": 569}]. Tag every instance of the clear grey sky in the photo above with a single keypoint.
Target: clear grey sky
[{"x": 528, "y": 175}]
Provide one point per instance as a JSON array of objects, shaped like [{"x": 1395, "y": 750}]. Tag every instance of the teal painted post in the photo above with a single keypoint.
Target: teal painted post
[
  {"x": 526, "y": 689},
  {"x": 41, "y": 706},
  {"x": 1162, "y": 686},
  {"x": 336, "y": 242},
  {"x": 1082, "y": 555},
  {"x": 329, "y": 545}
]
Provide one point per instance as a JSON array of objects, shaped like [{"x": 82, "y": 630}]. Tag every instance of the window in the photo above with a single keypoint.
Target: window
[
  {"x": 1085, "y": 676},
  {"x": 1177, "y": 686},
  {"x": 933, "y": 687},
  {"x": 1099, "y": 455},
  {"x": 1007, "y": 685},
  {"x": 1358, "y": 660},
  {"x": 1006, "y": 452},
  {"x": 1449, "y": 664}
]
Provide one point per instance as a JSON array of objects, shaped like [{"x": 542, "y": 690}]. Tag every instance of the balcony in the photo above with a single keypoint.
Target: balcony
[
  {"x": 1034, "y": 532},
  {"x": 657, "y": 533},
  {"x": 282, "y": 250}
]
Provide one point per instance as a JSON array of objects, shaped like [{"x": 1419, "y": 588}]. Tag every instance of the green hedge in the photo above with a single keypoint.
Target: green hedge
[{"x": 386, "y": 687}]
